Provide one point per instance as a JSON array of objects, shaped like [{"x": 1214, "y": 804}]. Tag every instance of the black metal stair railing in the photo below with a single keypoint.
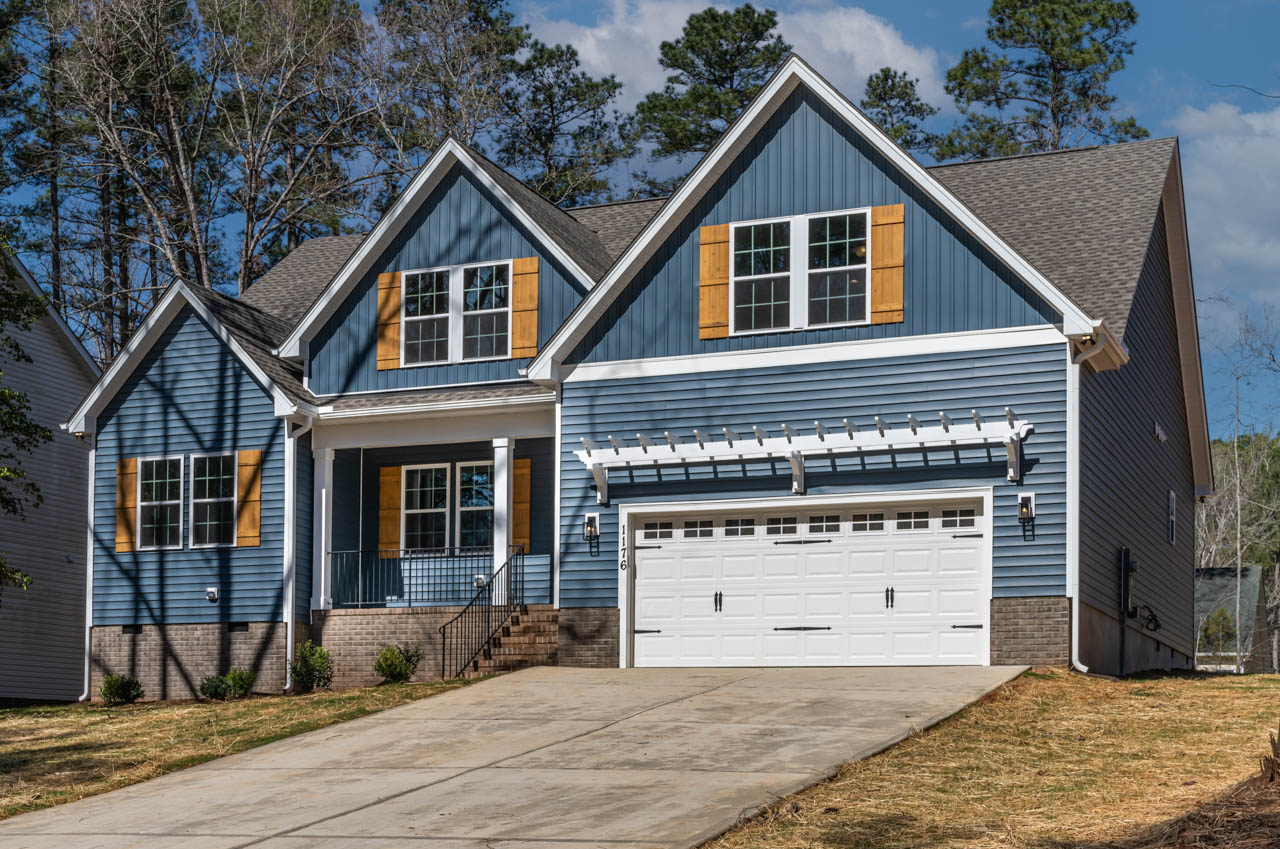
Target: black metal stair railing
[{"x": 466, "y": 635}]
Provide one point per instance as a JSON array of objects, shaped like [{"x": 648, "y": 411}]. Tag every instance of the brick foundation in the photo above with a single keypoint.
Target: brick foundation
[
  {"x": 1031, "y": 631},
  {"x": 171, "y": 660},
  {"x": 589, "y": 636}
]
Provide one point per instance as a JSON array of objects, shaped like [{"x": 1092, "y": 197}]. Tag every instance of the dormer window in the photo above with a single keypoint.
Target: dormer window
[
  {"x": 799, "y": 272},
  {"x": 457, "y": 313}
]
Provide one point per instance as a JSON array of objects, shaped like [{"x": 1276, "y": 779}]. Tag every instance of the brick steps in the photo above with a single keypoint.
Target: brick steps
[{"x": 530, "y": 638}]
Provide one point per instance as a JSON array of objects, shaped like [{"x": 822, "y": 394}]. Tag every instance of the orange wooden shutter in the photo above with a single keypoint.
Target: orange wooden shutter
[
  {"x": 522, "y": 503},
  {"x": 524, "y": 307},
  {"x": 389, "y": 495},
  {"x": 248, "y": 498},
  {"x": 389, "y": 296},
  {"x": 713, "y": 282},
  {"x": 126, "y": 503},
  {"x": 888, "y": 256}
]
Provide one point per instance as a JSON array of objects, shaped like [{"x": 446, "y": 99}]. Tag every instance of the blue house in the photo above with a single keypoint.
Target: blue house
[{"x": 821, "y": 406}]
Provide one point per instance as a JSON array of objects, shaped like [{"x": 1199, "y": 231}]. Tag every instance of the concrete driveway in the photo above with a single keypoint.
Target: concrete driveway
[{"x": 548, "y": 757}]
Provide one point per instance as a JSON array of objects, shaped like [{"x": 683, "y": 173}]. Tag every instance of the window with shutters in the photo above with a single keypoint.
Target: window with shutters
[
  {"x": 213, "y": 500},
  {"x": 459, "y": 313},
  {"x": 426, "y": 507},
  {"x": 160, "y": 503},
  {"x": 475, "y": 505},
  {"x": 800, "y": 272}
]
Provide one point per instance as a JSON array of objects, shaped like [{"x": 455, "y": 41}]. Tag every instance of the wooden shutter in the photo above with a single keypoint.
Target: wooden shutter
[
  {"x": 522, "y": 503},
  {"x": 524, "y": 307},
  {"x": 389, "y": 296},
  {"x": 713, "y": 282},
  {"x": 389, "y": 494},
  {"x": 126, "y": 503},
  {"x": 888, "y": 252},
  {"x": 248, "y": 498}
]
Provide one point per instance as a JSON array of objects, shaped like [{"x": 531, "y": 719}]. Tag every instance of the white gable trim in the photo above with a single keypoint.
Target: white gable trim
[
  {"x": 84, "y": 419},
  {"x": 359, "y": 263},
  {"x": 71, "y": 338},
  {"x": 793, "y": 73}
]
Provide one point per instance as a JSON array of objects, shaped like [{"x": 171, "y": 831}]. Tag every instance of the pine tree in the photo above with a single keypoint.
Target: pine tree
[{"x": 893, "y": 102}]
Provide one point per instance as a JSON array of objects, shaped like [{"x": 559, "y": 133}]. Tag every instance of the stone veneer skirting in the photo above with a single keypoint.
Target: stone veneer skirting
[
  {"x": 1031, "y": 631},
  {"x": 170, "y": 661},
  {"x": 588, "y": 636}
]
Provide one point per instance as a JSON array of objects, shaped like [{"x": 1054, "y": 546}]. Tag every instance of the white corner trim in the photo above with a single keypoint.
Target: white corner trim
[
  {"x": 1073, "y": 502},
  {"x": 145, "y": 339},
  {"x": 833, "y": 352},
  {"x": 88, "y": 578},
  {"x": 795, "y": 71},
  {"x": 358, "y": 264}
]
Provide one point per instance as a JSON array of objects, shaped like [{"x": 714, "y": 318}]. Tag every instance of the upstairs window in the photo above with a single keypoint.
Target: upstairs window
[
  {"x": 213, "y": 500},
  {"x": 800, "y": 272},
  {"x": 456, "y": 314},
  {"x": 160, "y": 503}
]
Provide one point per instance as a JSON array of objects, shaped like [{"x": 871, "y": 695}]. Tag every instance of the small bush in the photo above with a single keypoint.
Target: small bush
[
  {"x": 121, "y": 690},
  {"x": 241, "y": 682},
  {"x": 215, "y": 687},
  {"x": 396, "y": 664},
  {"x": 312, "y": 667}
]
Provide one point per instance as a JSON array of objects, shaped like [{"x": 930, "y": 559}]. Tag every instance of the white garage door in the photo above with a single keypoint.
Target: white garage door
[{"x": 885, "y": 584}]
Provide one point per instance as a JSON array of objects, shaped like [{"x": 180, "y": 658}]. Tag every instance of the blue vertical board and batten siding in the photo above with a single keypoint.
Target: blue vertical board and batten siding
[
  {"x": 1032, "y": 381},
  {"x": 806, "y": 160},
  {"x": 460, "y": 222},
  {"x": 1126, "y": 472},
  {"x": 189, "y": 395}
]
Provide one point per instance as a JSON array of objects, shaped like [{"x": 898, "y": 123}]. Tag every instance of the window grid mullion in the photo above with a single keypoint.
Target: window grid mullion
[
  {"x": 799, "y": 272},
  {"x": 455, "y": 313}
]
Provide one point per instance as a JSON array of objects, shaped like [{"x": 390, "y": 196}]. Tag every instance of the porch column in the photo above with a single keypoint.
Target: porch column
[
  {"x": 502, "y": 470},
  {"x": 322, "y": 530}
]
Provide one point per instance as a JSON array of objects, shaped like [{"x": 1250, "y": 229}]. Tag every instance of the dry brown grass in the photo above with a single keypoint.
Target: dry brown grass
[
  {"x": 1056, "y": 760},
  {"x": 51, "y": 755}
]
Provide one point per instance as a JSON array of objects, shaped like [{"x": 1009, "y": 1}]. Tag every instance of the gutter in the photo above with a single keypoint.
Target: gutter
[
  {"x": 88, "y": 582},
  {"x": 291, "y": 544}
]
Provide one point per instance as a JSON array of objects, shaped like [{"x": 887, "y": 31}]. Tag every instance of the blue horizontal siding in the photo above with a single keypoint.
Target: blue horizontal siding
[
  {"x": 805, "y": 160},
  {"x": 460, "y": 222},
  {"x": 189, "y": 395},
  {"x": 1030, "y": 380}
]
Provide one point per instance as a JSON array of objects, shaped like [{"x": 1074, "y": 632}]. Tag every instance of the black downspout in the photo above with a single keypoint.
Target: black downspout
[{"x": 1125, "y": 570}]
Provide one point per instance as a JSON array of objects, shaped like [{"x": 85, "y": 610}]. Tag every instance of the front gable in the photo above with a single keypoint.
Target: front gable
[
  {"x": 460, "y": 222},
  {"x": 807, "y": 159}
]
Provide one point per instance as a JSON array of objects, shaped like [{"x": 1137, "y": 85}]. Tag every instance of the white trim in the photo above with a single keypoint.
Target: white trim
[
  {"x": 503, "y": 505},
  {"x": 88, "y": 578},
  {"x": 404, "y": 507},
  {"x": 628, "y": 513},
  {"x": 448, "y": 315},
  {"x": 235, "y": 501},
  {"x": 456, "y": 499},
  {"x": 557, "y": 459},
  {"x": 328, "y": 413},
  {"x": 138, "y": 502},
  {"x": 456, "y": 316},
  {"x": 289, "y": 559},
  {"x": 148, "y": 333},
  {"x": 794, "y": 72},
  {"x": 405, "y": 205},
  {"x": 460, "y": 426},
  {"x": 25, "y": 276},
  {"x": 831, "y": 352},
  {"x": 322, "y": 528},
  {"x": 323, "y": 397},
  {"x": 1073, "y": 502}
]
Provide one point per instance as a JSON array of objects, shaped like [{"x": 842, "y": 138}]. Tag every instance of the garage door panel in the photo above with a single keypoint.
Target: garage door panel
[
  {"x": 832, "y": 605},
  {"x": 917, "y": 601},
  {"x": 785, "y": 566},
  {"x": 872, "y": 562},
  {"x": 909, "y": 562},
  {"x": 819, "y": 565},
  {"x": 698, "y": 567},
  {"x": 740, "y": 565},
  {"x": 959, "y": 562},
  {"x": 965, "y": 601}
]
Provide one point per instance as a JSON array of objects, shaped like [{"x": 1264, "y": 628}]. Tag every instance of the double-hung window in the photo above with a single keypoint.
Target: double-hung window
[
  {"x": 213, "y": 500},
  {"x": 160, "y": 503},
  {"x": 426, "y": 507},
  {"x": 475, "y": 505},
  {"x": 800, "y": 272},
  {"x": 456, "y": 313}
]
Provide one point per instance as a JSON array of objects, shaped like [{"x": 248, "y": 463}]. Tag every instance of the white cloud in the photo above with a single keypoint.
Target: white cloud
[{"x": 845, "y": 44}]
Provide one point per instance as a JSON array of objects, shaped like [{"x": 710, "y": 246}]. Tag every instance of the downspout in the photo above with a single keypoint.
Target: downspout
[
  {"x": 1073, "y": 405},
  {"x": 291, "y": 544},
  {"x": 88, "y": 581}
]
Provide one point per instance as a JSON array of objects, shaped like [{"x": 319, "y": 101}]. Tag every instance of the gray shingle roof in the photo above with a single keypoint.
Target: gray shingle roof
[
  {"x": 1082, "y": 217},
  {"x": 618, "y": 224},
  {"x": 494, "y": 392},
  {"x": 258, "y": 333},
  {"x": 293, "y": 284}
]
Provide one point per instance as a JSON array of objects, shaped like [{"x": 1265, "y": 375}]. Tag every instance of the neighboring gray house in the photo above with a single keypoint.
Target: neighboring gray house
[{"x": 42, "y": 629}]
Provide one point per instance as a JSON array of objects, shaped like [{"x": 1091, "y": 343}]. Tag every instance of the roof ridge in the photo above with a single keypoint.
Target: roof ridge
[
  {"x": 623, "y": 202},
  {"x": 1033, "y": 153}
]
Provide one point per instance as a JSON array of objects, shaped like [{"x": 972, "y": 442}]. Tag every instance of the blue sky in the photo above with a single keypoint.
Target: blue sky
[{"x": 1230, "y": 138}]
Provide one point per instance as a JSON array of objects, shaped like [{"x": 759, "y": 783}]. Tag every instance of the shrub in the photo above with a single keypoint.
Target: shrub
[
  {"x": 121, "y": 689},
  {"x": 396, "y": 664},
  {"x": 215, "y": 687},
  {"x": 241, "y": 682},
  {"x": 312, "y": 667}
]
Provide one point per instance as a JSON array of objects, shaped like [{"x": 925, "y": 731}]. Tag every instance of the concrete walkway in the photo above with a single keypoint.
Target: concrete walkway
[{"x": 545, "y": 758}]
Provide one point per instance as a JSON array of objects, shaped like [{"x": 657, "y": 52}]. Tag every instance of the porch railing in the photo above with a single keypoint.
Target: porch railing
[
  {"x": 438, "y": 577},
  {"x": 465, "y": 636}
]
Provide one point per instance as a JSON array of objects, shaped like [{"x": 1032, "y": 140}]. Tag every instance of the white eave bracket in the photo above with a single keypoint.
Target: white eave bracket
[{"x": 727, "y": 445}]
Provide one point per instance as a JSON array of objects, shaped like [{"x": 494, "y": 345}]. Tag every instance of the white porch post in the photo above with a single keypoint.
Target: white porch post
[
  {"x": 503, "y": 448},
  {"x": 322, "y": 531}
]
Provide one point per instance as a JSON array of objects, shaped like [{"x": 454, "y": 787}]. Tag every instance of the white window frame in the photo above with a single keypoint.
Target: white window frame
[
  {"x": 810, "y": 527},
  {"x": 404, "y": 502},
  {"x": 1171, "y": 517},
  {"x": 456, "y": 312},
  {"x": 235, "y": 502},
  {"x": 457, "y": 501},
  {"x": 886, "y": 523},
  {"x": 928, "y": 520},
  {"x": 798, "y": 275},
  {"x": 138, "y": 502}
]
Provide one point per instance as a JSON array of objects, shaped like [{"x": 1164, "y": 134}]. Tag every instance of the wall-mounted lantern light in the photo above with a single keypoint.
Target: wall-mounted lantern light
[
  {"x": 1026, "y": 508},
  {"x": 591, "y": 532}
]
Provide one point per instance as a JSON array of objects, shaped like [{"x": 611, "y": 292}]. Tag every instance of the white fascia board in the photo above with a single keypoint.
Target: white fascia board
[
  {"x": 327, "y": 413},
  {"x": 145, "y": 338},
  {"x": 834, "y": 352},
  {"x": 358, "y": 264},
  {"x": 795, "y": 71},
  {"x": 74, "y": 341}
]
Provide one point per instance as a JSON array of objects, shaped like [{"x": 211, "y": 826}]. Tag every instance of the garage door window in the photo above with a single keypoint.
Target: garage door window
[
  {"x": 658, "y": 530},
  {"x": 779, "y": 525},
  {"x": 958, "y": 518},
  {"x": 739, "y": 527},
  {"x": 913, "y": 520},
  {"x": 824, "y": 524},
  {"x": 699, "y": 529},
  {"x": 867, "y": 523}
]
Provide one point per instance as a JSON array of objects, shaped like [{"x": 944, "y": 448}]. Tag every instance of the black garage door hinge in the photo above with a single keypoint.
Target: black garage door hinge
[
  {"x": 805, "y": 628},
  {"x": 799, "y": 541},
  {"x": 643, "y": 631},
  {"x": 978, "y": 627},
  {"x": 639, "y": 547},
  {"x": 966, "y": 536}
]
